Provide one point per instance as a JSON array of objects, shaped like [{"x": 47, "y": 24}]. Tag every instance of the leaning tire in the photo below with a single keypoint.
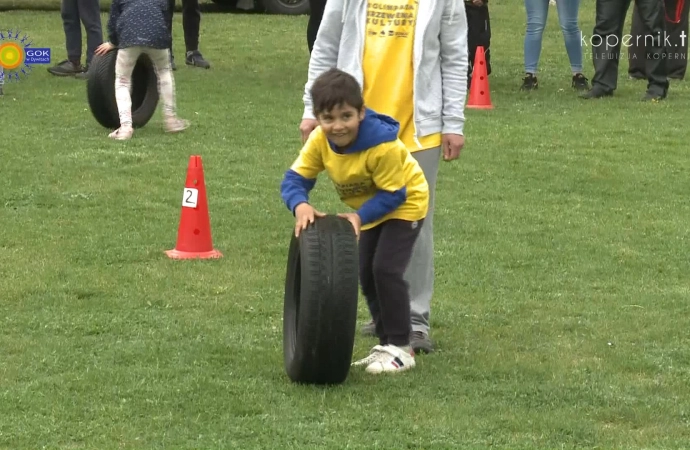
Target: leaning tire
[
  {"x": 100, "y": 89},
  {"x": 320, "y": 306}
]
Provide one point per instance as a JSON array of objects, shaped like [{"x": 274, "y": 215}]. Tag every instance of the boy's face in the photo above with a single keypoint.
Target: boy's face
[{"x": 341, "y": 124}]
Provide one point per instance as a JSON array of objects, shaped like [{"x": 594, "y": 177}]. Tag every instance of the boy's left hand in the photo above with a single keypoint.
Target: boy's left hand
[
  {"x": 354, "y": 219},
  {"x": 104, "y": 48},
  {"x": 452, "y": 145}
]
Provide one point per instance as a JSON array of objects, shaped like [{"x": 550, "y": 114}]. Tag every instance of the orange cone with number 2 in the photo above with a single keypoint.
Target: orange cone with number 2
[{"x": 194, "y": 233}]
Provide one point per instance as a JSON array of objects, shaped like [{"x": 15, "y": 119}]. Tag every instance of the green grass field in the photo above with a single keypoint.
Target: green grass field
[{"x": 562, "y": 290}]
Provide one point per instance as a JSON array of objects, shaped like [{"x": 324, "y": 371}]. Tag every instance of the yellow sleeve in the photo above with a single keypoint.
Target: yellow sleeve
[
  {"x": 309, "y": 163},
  {"x": 389, "y": 171}
]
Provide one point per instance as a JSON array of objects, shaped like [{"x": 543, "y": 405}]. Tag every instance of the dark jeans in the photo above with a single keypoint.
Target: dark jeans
[
  {"x": 676, "y": 42},
  {"x": 191, "y": 22},
  {"x": 478, "y": 34},
  {"x": 384, "y": 253},
  {"x": 77, "y": 12},
  {"x": 315, "y": 16},
  {"x": 610, "y": 18}
]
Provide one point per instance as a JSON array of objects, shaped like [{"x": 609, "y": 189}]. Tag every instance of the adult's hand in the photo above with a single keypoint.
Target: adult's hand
[
  {"x": 306, "y": 127},
  {"x": 452, "y": 146}
]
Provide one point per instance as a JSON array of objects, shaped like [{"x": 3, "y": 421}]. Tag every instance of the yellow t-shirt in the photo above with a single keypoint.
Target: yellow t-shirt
[
  {"x": 388, "y": 66},
  {"x": 358, "y": 176}
]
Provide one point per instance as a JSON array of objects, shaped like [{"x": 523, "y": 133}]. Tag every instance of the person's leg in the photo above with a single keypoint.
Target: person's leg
[
  {"x": 568, "y": 13},
  {"x": 636, "y": 49},
  {"x": 420, "y": 271},
  {"x": 124, "y": 66},
  {"x": 191, "y": 22},
  {"x": 315, "y": 15},
  {"x": 392, "y": 256},
  {"x": 537, "y": 12},
  {"x": 368, "y": 242},
  {"x": 69, "y": 11},
  {"x": 677, "y": 30},
  {"x": 472, "y": 38},
  {"x": 652, "y": 13},
  {"x": 169, "y": 23},
  {"x": 90, "y": 15},
  {"x": 606, "y": 43},
  {"x": 166, "y": 89}
]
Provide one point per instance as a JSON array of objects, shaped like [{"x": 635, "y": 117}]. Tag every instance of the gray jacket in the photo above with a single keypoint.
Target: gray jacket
[{"x": 440, "y": 59}]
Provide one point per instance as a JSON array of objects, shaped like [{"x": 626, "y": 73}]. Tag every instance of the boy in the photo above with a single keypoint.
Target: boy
[
  {"x": 413, "y": 69},
  {"x": 376, "y": 175},
  {"x": 136, "y": 27},
  {"x": 478, "y": 33}
]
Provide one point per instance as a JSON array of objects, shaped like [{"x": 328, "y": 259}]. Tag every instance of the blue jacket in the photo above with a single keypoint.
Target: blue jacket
[{"x": 140, "y": 23}]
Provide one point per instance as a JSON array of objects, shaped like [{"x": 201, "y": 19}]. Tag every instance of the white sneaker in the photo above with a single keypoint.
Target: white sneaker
[
  {"x": 174, "y": 125},
  {"x": 373, "y": 356},
  {"x": 122, "y": 133},
  {"x": 392, "y": 359}
]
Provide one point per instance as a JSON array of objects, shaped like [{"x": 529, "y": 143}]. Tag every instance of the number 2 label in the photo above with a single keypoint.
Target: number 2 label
[{"x": 190, "y": 197}]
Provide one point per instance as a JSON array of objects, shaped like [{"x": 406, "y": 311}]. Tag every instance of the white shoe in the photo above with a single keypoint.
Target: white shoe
[
  {"x": 122, "y": 133},
  {"x": 392, "y": 359},
  {"x": 174, "y": 125},
  {"x": 373, "y": 356}
]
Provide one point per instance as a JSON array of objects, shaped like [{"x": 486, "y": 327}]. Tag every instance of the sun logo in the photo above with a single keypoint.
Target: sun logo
[{"x": 17, "y": 56}]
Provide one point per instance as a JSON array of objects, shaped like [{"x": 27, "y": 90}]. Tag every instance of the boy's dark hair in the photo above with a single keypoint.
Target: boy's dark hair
[{"x": 335, "y": 88}]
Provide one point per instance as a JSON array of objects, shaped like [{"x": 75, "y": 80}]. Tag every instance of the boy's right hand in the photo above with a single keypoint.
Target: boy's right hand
[
  {"x": 305, "y": 214},
  {"x": 306, "y": 127}
]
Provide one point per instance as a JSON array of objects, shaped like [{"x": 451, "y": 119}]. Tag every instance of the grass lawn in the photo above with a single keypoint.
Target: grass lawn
[{"x": 561, "y": 310}]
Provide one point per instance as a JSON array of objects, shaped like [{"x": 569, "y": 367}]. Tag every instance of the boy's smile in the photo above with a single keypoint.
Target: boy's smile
[{"x": 341, "y": 124}]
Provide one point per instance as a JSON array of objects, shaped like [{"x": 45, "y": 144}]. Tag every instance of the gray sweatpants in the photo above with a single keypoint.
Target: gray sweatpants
[
  {"x": 420, "y": 272},
  {"x": 89, "y": 13}
]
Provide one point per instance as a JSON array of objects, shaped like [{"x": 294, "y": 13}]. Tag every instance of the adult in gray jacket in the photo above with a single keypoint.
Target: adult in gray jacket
[{"x": 410, "y": 58}]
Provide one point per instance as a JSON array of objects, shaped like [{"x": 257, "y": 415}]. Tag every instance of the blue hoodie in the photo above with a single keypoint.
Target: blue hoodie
[{"x": 374, "y": 129}]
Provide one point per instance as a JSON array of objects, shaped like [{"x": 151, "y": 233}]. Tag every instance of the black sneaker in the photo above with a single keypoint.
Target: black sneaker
[
  {"x": 172, "y": 63},
  {"x": 596, "y": 92},
  {"x": 654, "y": 97},
  {"x": 420, "y": 342},
  {"x": 580, "y": 83},
  {"x": 529, "y": 83},
  {"x": 66, "y": 68},
  {"x": 195, "y": 59},
  {"x": 82, "y": 75}
]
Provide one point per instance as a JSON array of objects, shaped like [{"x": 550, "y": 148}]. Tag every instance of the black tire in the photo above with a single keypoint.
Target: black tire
[
  {"x": 100, "y": 90},
  {"x": 285, "y": 7},
  {"x": 320, "y": 306}
]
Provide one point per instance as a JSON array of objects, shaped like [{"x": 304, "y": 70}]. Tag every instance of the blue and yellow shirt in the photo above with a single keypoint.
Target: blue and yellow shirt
[{"x": 377, "y": 175}]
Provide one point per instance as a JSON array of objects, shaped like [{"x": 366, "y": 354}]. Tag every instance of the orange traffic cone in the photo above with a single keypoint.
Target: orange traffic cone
[
  {"x": 480, "y": 97},
  {"x": 194, "y": 233}
]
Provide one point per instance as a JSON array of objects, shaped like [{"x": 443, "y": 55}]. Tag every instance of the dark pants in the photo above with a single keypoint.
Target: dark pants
[
  {"x": 384, "y": 253},
  {"x": 610, "y": 18},
  {"x": 191, "y": 22},
  {"x": 676, "y": 41},
  {"x": 478, "y": 34},
  {"x": 317, "y": 7},
  {"x": 74, "y": 14}
]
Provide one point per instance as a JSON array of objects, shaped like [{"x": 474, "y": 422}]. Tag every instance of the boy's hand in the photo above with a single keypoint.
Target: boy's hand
[
  {"x": 104, "y": 48},
  {"x": 452, "y": 145},
  {"x": 306, "y": 127},
  {"x": 354, "y": 219},
  {"x": 304, "y": 215},
  {"x": 478, "y": 2}
]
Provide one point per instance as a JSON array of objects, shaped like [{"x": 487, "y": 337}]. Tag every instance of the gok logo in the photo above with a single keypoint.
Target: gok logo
[{"x": 17, "y": 55}]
